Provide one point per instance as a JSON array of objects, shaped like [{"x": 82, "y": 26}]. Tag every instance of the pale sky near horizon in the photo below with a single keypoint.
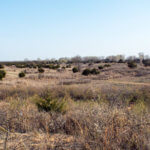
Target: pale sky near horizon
[{"x": 57, "y": 28}]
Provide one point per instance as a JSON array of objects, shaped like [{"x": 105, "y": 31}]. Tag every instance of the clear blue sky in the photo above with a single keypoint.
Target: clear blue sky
[{"x": 58, "y": 28}]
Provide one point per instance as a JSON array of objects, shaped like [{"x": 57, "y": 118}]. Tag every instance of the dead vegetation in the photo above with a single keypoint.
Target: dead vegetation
[{"x": 110, "y": 110}]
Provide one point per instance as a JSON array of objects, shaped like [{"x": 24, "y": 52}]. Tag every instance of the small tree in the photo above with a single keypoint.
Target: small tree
[
  {"x": 68, "y": 66},
  {"x": 100, "y": 67},
  {"x": 146, "y": 62},
  {"x": 74, "y": 70},
  {"x": 141, "y": 57},
  {"x": 120, "y": 61},
  {"x": 21, "y": 74},
  {"x": 107, "y": 65},
  {"x": 132, "y": 64},
  {"x": 41, "y": 70},
  {"x": 94, "y": 71},
  {"x": 1, "y": 66},
  {"x": 86, "y": 72},
  {"x": 49, "y": 104},
  {"x": 2, "y": 74}
]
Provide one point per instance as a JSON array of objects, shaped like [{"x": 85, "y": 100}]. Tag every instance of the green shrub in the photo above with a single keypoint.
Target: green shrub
[
  {"x": 132, "y": 64},
  {"x": 21, "y": 74},
  {"x": 107, "y": 65},
  {"x": 94, "y": 71},
  {"x": 1, "y": 66},
  {"x": 68, "y": 66},
  {"x": 146, "y": 62},
  {"x": 50, "y": 104},
  {"x": 74, "y": 70},
  {"x": 20, "y": 66},
  {"x": 39, "y": 66},
  {"x": 2, "y": 74},
  {"x": 56, "y": 66},
  {"x": 100, "y": 67},
  {"x": 34, "y": 66},
  {"x": 120, "y": 61},
  {"x": 63, "y": 67},
  {"x": 41, "y": 70},
  {"x": 51, "y": 66},
  {"x": 90, "y": 64},
  {"x": 86, "y": 72}
]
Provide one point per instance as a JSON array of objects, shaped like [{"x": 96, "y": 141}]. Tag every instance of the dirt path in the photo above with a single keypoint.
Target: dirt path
[{"x": 128, "y": 83}]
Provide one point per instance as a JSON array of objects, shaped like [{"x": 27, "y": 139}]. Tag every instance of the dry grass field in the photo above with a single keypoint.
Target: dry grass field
[{"x": 107, "y": 111}]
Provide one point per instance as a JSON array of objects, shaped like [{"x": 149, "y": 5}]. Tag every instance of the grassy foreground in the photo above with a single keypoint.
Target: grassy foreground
[{"x": 89, "y": 118}]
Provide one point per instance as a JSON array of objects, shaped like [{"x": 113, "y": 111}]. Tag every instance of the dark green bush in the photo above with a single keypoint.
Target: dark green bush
[
  {"x": 34, "y": 66},
  {"x": 21, "y": 74},
  {"x": 63, "y": 67},
  {"x": 146, "y": 62},
  {"x": 2, "y": 74},
  {"x": 41, "y": 70},
  {"x": 94, "y": 71},
  {"x": 74, "y": 70},
  {"x": 107, "y": 65},
  {"x": 68, "y": 66},
  {"x": 90, "y": 64},
  {"x": 50, "y": 104},
  {"x": 86, "y": 72},
  {"x": 120, "y": 61},
  {"x": 39, "y": 66},
  {"x": 1, "y": 66},
  {"x": 132, "y": 64},
  {"x": 100, "y": 67},
  {"x": 51, "y": 66},
  {"x": 20, "y": 66}
]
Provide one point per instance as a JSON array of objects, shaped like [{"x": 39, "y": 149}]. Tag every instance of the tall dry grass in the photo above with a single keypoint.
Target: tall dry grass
[{"x": 96, "y": 118}]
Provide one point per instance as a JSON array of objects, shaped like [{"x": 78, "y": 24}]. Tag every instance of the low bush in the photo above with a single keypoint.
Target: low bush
[
  {"x": 49, "y": 104},
  {"x": 63, "y": 67},
  {"x": 74, "y": 70},
  {"x": 132, "y": 64},
  {"x": 68, "y": 66},
  {"x": 1, "y": 66},
  {"x": 146, "y": 62},
  {"x": 41, "y": 70},
  {"x": 21, "y": 74},
  {"x": 2, "y": 74},
  {"x": 100, "y": 67},
  {"x": 86, "y": 72},
  {"x": 51, "y": 66},
  {"x": 107, "y": 65},
  {"x": 94, "y": 71},
  {"x": 120, "y": 61}
]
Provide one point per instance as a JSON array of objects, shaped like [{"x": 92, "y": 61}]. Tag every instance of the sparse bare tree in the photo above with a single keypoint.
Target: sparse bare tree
[
  {"x": 141, "y": 57},
  {"x": 77, "y": 60},
  {"x": 38, "y": 59},
  {"x": 63, "y": 60},
  {"x": 131, "y": 58}
]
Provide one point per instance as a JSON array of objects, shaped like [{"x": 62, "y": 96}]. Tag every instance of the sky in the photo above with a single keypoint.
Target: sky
[{"x": 64, "y": 28}]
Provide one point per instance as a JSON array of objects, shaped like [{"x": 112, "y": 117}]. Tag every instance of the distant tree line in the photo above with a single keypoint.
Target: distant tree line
[
  {"x": 143, "y": 59},
  {"x": 55, "y": 63}
]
